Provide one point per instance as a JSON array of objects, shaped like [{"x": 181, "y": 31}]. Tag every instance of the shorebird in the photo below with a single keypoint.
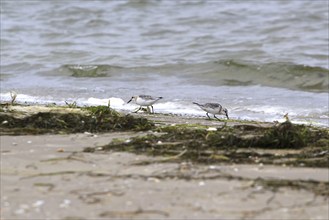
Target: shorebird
[
  {"x": 144, "y": 100},
  {"x": 213, "y": 108}
]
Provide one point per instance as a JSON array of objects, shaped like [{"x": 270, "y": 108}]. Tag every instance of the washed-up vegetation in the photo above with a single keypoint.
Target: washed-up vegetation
[
  {"x": 63, "y": 120},
  {"x": 283, "y": 143},
  {"x": 235, "y": 142}
]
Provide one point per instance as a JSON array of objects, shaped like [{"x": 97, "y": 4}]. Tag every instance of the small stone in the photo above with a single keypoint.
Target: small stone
[
  {"x": 211, "y": 129},
  {"x": 202, "y": 183},
  {"x": 65, "y": 203},
  {"x": 88, "y": 133},
  {"x": 152, "y": 179},
  {"x": 212, "y": 167},
  {"x": 38, "y": 203}
]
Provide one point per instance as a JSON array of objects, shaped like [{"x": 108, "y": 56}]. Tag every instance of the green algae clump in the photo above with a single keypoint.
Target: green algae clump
[
  {"x": 63, "y": 120},
  {"x": 280, "y": 144}
]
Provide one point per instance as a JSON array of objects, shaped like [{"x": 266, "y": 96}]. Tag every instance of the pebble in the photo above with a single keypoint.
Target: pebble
[
  {"x": 66, "y": 203},
  {"x": 211, "y": 129},
  {"x": 38, "y": 203},
  {"x": 202, "y": 183}
]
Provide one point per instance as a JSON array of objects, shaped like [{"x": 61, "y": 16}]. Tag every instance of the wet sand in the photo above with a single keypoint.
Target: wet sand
[{"x": 49, "y": 177}]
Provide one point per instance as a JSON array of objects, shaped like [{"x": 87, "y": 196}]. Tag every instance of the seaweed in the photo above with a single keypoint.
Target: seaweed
[
  {"x": 236, "y": 144},
  {"x": 90, "y": 119},
  {"x": 319, "y": 188},
  {"x": 285, "y": 135}
]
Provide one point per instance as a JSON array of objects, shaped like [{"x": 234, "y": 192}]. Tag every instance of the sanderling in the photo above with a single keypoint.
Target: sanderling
[
  {"x": 213, "y": 108},
  {"x": 144, "y": 100}
]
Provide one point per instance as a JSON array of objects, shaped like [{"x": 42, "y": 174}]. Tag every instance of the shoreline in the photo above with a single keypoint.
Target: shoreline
[
  {"x": 224, "y": 141},
  {"x": 109, "y": 174},
  {"x": 306, "y": 120}
]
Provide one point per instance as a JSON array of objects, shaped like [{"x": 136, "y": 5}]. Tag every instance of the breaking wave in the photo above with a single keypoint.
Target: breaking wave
[{"x": 222, "y": 72}]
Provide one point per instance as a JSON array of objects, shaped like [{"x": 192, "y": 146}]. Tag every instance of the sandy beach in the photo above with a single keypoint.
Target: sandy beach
[{"x": 49, "y": 176}]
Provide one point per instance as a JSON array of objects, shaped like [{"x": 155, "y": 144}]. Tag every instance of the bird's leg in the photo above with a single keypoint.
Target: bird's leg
[
  {"x": 152, "y": 109},
  {"x": 216, "y": 118},
  {"x": 148, "y": 109},
  {"x": 140, "y": 107},
  {"x": 208, "y": 116}
]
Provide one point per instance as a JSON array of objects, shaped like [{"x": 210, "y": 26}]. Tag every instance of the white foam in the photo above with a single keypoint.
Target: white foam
[
  {"x": 22, "y": 98},
  {"x": 113, "y": 102},
  {"x": 178, "y": 108},
  {"x": 243, "y": 112}
]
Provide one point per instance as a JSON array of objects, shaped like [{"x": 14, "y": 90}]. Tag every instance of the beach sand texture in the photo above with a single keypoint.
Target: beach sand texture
[{"x": 49, "y": 176}]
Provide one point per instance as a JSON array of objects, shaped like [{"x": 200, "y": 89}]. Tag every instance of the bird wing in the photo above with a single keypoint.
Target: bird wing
[
  {"x": 146, "y": 97},
  {"x": 212, "y": 105}
]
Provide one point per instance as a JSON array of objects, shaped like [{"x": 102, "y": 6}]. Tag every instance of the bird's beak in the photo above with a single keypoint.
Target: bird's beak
[{"x": 130, "y": 100}]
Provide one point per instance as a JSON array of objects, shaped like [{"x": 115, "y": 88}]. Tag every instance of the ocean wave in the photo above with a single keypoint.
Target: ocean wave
[{"x": 218, "y": 73}]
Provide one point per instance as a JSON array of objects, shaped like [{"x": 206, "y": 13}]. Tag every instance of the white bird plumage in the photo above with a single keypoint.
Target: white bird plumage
[
  {"x": 213, "y": 108},
  {"x": 144, "y": 100}
]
